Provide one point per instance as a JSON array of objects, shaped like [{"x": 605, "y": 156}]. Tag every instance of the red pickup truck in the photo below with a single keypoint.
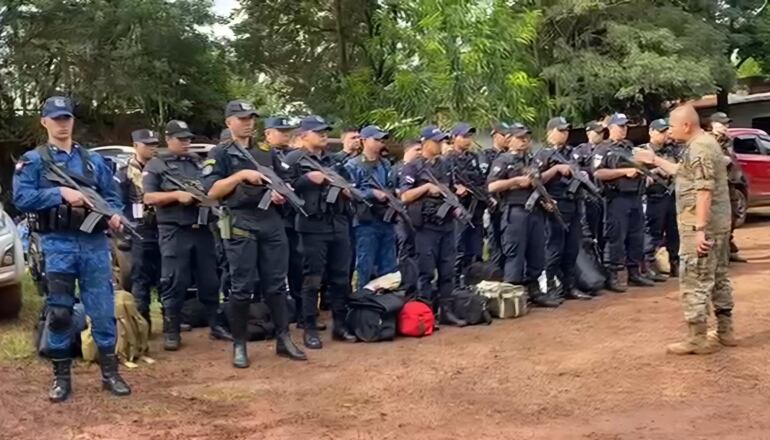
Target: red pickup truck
[{"x": 752, "y": 147}]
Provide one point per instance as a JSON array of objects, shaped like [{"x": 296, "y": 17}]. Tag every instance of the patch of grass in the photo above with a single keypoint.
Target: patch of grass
[{"x": 16, "y": 337}]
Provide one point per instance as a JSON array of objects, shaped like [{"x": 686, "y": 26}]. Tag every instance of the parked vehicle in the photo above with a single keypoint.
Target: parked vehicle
[
  {"x": 752, "y": 147},
  {"x": 11, "y": 267}
]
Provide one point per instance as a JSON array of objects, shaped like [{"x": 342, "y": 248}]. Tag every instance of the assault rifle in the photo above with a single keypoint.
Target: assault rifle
[
  {"x": 625, "y": 158},
  {"x": 578, "y": 178},
  {"x": 273, "y": 182},
  {"x": 540, "y": 194},
  {"x": 450, "y": 201},
  {"x": 337, "y": 182},
  {"x": 395, "y": 206},
  {"x": 478, "y": 194},
  {"x": 99, "y": 207}
]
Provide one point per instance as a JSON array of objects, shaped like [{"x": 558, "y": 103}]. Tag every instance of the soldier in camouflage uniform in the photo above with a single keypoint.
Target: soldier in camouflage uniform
[
  {"x": 719, "y": 124},
  {"x": 703, "y": 205}
]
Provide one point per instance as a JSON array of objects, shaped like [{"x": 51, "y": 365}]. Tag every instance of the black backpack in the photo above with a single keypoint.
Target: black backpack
[
  {"x": 372, "y": 317},
  {"x": 471, "y": 307}
]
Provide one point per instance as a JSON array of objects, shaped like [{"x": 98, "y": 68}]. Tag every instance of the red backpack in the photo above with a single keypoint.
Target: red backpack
[{"x": 416, "y": 319}]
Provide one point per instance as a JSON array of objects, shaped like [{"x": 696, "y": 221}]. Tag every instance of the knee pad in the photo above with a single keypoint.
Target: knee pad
[{"x": 59, "y": 318}]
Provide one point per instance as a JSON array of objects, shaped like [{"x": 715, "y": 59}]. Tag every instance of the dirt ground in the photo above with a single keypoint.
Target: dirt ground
[{"x": 589, "y": 370}]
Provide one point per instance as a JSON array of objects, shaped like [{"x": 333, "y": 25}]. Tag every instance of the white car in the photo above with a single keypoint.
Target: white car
[{"x": 11, "y": 267}]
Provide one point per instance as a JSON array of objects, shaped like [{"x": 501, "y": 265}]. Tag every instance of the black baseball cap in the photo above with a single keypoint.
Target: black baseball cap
[
  {"x": 144, "y": 136},
  {"x": 375, "y": 132},
  {"x": 558, "y": 123},
  {"x": 501, "y": 128},
  {"x": 279, "y": 123},
  {"x": 179, "y": 130},
  {"x": 595, "y": 126},
  {"x": 659, "y": 125},
  {"x": 619, "y": 119},
  {"x": 720, "y": 117},
  {"x": 313, "y": 123},
  {"x": 240, "y": 109},
  {"x": 518, "y": 129}
]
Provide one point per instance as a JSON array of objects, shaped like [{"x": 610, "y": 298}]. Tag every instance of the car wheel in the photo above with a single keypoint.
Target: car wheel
[
  {"x": 10, "y": 301},
  {"x": 740, "y": 206}
]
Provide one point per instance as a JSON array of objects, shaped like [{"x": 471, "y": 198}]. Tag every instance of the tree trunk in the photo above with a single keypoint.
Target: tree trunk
[
  {"x": 723, "y": 105},
  {"x": 343, "y": 50},
  {"x": 653, "y": 107}
]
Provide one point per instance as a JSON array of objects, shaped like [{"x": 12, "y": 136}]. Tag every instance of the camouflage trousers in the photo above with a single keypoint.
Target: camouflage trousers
[{"x": 703, "y": 279}]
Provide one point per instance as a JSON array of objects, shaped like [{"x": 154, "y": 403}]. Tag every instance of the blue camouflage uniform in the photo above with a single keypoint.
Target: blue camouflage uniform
[
  {"x": 71, "y": 255},
  {"x": 375, "y": 239}
]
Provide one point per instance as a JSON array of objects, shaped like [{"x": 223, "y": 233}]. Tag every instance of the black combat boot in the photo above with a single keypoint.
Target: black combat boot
[
  {"x": 655, "y": 275},
  {"x": 62, "y": 381},
  {"x": 447, "y": 316},
  {"x": 673, "y": 270},
  {"x": 171, "y": 338},
  {"x": 614, "y": 282},
  {"x": 573, "y": 293},
  {"x": 340, "y": 333},
  {"x": 239, "y": 317},
  {"x": 284, "y": 346},
  {"x": 635, "y": 278},
  {"x": 217, "y": 330},
  {"x": 240, "y": 354},
  {"x": 539, "y": 299},
  {"x": 311, "y": 338},
  {"x": 111, "y": 379}
]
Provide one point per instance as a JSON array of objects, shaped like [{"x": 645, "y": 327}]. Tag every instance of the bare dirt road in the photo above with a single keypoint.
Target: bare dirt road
[{"x": 589, "y": 370}]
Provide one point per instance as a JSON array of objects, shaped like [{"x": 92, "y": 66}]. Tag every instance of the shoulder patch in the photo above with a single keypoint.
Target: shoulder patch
[
  {"x": 597, "y": 160},
  {"x": 208, "y": 162},
  {"x": 207, "y": 169},
  {"x": 409, "y": 179}
]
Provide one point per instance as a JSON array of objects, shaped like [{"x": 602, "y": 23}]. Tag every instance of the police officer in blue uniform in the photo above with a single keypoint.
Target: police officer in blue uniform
[
  {"x": 434, "y": 236},
  {"x": 523, "y": 231},
  {"x": 561, "y": 245},
  {"x": 661, "y": 225},
  {"x": 623, "y": 218},
  {"x": 187, "y": 246},
  {"x": 594, "y": 209},
  {"x": 501, "y": 137},
  {"x": 56, "y": 214},
  {"x": 145, "y": 253},
  {"x": 324, "y": 233},
  {"x": 375, "y": 237},
  {"x": 405, "y": 233},
  {"x": 466, "y": 165},
  {"x": 254, "y": 239}
]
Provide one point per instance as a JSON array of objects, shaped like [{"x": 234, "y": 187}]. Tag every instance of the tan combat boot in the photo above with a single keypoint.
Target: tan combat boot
[
  {"x": 696, "y": 343},
  {"x": 724, "y": 333}
]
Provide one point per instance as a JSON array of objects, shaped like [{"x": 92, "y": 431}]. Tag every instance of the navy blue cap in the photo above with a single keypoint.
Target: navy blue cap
[
  {"x": 462, "y": 129},
  {"x": 240, "y": 109},
  {"x": 433, "y": 133},
  {"x": 178, "y": 129},
  {"x": 57, "y": 107},
  {"x": 659, "y": 125},
  {"x": 617, "y": 119},
  {"x": 374, "y": 132},
  {"x": 144, "y": 136},
  {"x": 558, "y": 123},
  {"x": 225, "y": 135},
  {"x": 279, "y": 123},
  {"x": 518, "y": 129},
  {"x": 313, "y": 123},
  {"x": 595, "y": 126}
]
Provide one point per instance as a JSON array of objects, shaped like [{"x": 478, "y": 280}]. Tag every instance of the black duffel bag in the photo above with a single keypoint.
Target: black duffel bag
[
  {"x": 588, "y": 268},
  {"x": 372, "y": 317},
  {"x": 471, "y": 307}
]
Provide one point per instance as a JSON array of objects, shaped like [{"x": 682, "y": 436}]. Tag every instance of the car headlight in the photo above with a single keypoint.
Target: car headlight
[{"x": 9, "y": 259}]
